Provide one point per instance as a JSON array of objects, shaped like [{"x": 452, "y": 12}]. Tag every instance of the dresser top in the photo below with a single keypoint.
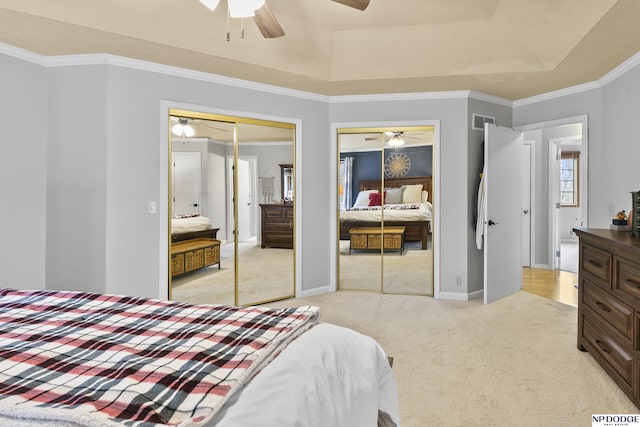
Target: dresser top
[{"x": 622, "y": 240}]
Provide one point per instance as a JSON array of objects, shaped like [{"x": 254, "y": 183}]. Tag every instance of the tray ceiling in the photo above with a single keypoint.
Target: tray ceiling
[{"x": 508, "y": 48}]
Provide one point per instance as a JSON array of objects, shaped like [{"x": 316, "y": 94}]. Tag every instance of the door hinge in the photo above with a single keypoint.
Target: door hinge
[
  {"x": 558, "y": 254},
  {"x": 558, "y": 205}
]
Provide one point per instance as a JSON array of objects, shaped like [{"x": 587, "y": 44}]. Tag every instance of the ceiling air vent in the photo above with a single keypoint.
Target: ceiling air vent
[{"x": 478, "y": 121}]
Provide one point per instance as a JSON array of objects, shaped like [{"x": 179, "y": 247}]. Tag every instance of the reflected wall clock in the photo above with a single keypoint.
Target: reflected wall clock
[{"x": 397, "y": 165}]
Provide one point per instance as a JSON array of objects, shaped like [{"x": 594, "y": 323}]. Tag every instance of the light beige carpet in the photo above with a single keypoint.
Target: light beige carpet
[
  {"x": 264, "y": 275},
  {"x": 511, "y": 363},
  {"x": 409, "y": 272}
]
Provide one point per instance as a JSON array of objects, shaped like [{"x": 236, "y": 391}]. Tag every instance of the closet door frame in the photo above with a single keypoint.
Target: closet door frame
[
  {"x": 169, "y": 109},
  {"x": 355, "y": 127}
]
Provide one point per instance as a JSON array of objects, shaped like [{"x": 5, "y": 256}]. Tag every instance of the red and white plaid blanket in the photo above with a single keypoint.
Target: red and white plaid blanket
[{"x": 93, "y": 359}]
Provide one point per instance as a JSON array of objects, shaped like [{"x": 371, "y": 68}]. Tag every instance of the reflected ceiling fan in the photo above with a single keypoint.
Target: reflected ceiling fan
[
  {"x": 394, "y": 139},
  {"x": 262, "y": 14},
  {"x": 184, "y": 126}
]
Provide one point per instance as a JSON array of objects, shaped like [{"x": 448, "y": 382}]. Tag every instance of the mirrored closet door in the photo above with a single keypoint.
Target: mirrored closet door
[
  {"x": 385, "y": 209},
  {"x": 224, "y": 187}
]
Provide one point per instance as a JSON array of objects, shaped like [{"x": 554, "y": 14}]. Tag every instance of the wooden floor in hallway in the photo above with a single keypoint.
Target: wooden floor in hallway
[{"x": 557, "y": 285}]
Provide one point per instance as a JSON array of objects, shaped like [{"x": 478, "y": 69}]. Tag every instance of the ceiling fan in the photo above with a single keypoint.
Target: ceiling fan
[
  {"x": 184, "y": 126},
  {"x": 394, "y": 139},
  {"x": 263, "y": 16}
]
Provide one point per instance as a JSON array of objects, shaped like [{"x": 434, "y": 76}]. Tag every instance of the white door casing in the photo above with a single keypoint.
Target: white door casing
[
  {"x": 526, "y": 204},
  {"x": 503, "y": 214}
]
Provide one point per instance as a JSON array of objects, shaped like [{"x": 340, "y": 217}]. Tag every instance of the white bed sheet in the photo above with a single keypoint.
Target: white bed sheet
[
  {"x": 329, "y": 376},
  {"x": 424, "y": 212},
  {"x": 184, "y": 225}
]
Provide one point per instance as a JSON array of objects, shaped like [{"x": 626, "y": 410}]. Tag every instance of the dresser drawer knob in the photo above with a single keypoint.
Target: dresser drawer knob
[
  {"x": 603, "y": 346},
  {"x": 595, "y": 264},
  {"x": 603, "y": 307},
  {"x": 633, "y": 283}
]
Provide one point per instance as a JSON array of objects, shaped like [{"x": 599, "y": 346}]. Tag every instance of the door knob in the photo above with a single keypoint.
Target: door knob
[
  {"x": 491, "y": 222},
  {"x": 526, "y": 211}
]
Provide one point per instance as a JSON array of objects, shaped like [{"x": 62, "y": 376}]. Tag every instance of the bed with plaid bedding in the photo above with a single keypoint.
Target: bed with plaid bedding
[{"x": 71, "y": 358}]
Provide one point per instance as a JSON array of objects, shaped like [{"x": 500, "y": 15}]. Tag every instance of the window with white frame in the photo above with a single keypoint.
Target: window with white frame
[{"x": 570, "y": 178}]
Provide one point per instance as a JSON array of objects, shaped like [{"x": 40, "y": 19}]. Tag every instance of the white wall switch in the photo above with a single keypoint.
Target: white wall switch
[{"x": 151, "y": 208}]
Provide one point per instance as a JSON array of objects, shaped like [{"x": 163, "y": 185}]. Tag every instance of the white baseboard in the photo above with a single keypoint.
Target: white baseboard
[
  {"x": 315, "y": 291},
  {"x": 543, "y": 266},
  {"x": 460, "y": 296}
]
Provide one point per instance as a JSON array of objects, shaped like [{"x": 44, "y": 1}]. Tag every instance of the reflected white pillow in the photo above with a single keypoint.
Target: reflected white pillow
[
  {"x": 425, "y": 197},
  {"x": 363, "y": 198},
  {"x": 411, "y": 193},
  {"x": 393, "y": 196}
]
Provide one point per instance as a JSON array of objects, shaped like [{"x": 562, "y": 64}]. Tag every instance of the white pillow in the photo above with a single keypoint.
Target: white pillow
[
  {"x": 363, "y": 198},
  {"x": 425, "y": 196},
  {"x": 411, "y": 193}
]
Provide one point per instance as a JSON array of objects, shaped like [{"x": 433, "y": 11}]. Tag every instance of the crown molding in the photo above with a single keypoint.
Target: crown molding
[
  {"x": 386, "y": 97},
  {"x": 107, "y": 59},
  {"x": 479, "y": 96},
  {"x": 627, "y": 65},
  {"x": 25, "y": 55}
]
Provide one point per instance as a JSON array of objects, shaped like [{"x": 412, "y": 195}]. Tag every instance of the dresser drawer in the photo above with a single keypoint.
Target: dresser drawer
[
  {"x": 617, "y": 356},
  {"x": 273, "y": 213},
  {"x": 597, "y": 262},
  {"x": 614, "y": 312},
  {"x": 627, "y": 278}
]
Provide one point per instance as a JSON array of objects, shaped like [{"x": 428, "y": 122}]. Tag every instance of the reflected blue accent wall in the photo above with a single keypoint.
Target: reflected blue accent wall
[{"x": 367, "y": 165}]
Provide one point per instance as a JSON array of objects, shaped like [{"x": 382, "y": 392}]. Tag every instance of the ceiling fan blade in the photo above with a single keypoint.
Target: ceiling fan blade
[
  {"x": 267, "y": 23},
  {"x": 373, "y": 138},
  {"x": 358, "y": 4}
]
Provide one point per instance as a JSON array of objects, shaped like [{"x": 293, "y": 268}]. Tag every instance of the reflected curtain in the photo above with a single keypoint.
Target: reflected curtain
[{"x": 346, "y": 182}]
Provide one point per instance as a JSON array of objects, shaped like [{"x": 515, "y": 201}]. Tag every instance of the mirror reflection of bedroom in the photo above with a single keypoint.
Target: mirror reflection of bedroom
[
  {"x": 232, "y": 209},
  {"x": 385, "y": 209}
]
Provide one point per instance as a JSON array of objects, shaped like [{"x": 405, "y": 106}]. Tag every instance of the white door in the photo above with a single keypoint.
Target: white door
[
  {"x": 503, "y": 212},
  {"x": 244, "y": 200},
  {"x": 186, "y": 182},
  {"x": 526, "y": 205}
]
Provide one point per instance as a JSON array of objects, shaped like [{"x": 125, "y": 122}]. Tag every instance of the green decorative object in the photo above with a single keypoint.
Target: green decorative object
[{"x": 635, "y": 209}]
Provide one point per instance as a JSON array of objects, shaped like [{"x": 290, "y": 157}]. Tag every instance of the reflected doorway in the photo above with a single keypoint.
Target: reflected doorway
[
  {"x": 216, "y": 251},
  {"x": 385, "y": 209}
]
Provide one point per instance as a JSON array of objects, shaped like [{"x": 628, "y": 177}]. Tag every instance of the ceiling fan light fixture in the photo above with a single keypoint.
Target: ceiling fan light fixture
[
  {"x": 211, "y": 4},
  {"x": 180, "y": 129},
  {"x": 244, "y": 8},
  {"x": 396, "y": 141}
]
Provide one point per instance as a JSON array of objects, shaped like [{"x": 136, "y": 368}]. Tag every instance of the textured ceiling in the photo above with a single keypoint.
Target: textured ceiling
[{"x": 508, "y": 48}]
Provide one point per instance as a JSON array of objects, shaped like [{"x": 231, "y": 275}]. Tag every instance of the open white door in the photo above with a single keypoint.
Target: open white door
[{"x": 503, "y": 212}]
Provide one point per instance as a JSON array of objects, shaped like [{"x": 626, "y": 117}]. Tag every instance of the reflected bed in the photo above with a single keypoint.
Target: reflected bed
[{"x": 417, "y": 221}]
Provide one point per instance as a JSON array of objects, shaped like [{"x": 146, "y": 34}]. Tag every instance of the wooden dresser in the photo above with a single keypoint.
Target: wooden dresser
[
  {"x": 277, "y": 225},
  {"x": 609, "y": 304}
]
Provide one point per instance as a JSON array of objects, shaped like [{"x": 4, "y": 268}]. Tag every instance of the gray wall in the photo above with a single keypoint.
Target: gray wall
[
  {"x": 77, "y": 178},
  {"x": 613, "y": 112},
  {"x": 23, "y": 173},
  {"x": 92, "y": 159},
  {"x": 452, "y": 114}
]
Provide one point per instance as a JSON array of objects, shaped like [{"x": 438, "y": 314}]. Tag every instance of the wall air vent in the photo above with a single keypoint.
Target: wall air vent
[{"x": 478, "y": 121}]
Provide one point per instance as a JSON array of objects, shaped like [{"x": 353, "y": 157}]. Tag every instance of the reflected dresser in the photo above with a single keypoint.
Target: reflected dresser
[{"x": 277, "y": 225}]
